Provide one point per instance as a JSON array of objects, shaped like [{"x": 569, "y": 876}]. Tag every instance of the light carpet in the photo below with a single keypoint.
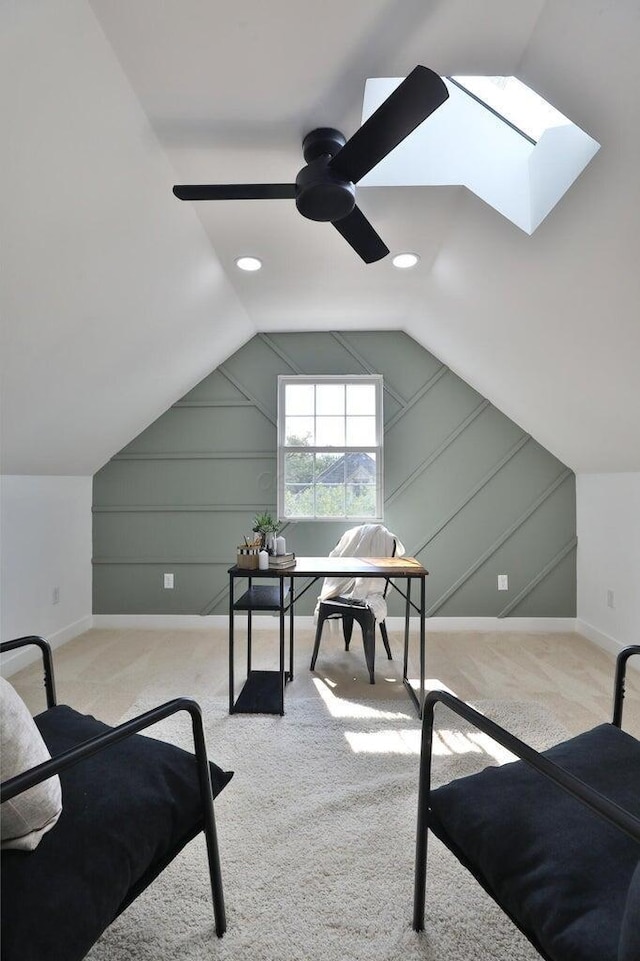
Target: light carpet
[{"x": 317, "y": 833}]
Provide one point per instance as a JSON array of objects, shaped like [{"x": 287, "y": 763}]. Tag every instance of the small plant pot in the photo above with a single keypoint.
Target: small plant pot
[{"x": 247, "y": 558}]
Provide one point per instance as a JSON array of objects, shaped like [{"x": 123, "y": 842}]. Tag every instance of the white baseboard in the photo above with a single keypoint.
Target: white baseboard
[
  {"x": 599, "y": 638},
  {"x": 269, "y": 622},
  {"x": 15, "y": 660}
]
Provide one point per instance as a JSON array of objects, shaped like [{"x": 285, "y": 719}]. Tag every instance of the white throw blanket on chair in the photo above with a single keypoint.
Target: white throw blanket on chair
[{"x": 366, "y": 540}]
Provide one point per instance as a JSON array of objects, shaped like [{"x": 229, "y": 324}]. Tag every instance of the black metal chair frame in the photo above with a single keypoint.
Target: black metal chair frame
[
  {"x": 22, "y": 782},
  {"x": 343, "y": 607},
  {"x": 572, "y": 785}
]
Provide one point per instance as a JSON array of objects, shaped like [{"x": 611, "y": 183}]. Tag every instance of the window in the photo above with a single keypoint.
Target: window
[{"x": 330, "y": 448}]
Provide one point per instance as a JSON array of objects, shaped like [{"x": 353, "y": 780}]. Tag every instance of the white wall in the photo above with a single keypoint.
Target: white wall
[
  {"x": 45, "y": 543},
  {"x": 608, "y": 525},
  {"x": 127, "y": 280}
]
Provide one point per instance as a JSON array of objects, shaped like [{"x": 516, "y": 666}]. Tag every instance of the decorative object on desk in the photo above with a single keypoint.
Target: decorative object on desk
[
  {"x": 281, "y": 546},
  {"x": 263, "y": 561},
  {"x": 267, "y": 526},
  {"x": 277, "y": 561},
  {"x": 247, "y": 556}
]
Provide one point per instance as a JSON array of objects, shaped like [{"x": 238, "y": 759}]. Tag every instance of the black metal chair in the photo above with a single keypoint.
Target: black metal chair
[
  {"x": 554, "y": 838},
  {"x": 129, "y": 805},
  {"x": 350, "y": 610}
]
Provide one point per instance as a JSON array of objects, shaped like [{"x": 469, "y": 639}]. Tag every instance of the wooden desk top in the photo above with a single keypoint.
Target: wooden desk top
[{"x": 346, "y": 566}]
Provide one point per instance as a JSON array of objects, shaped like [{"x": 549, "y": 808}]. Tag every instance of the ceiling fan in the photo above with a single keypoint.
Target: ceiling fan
[{"x": 324, "y": 189}]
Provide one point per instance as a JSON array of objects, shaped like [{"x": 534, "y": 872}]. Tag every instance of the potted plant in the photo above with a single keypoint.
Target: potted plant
[{"x": 267, "y": 526}]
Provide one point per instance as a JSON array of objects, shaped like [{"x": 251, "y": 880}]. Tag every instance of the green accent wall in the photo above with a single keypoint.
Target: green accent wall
[{"x": 466, "y": 490}]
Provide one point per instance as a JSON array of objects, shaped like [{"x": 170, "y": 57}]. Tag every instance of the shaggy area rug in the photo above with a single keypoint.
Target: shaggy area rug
[{"x": 317, "y": 833}]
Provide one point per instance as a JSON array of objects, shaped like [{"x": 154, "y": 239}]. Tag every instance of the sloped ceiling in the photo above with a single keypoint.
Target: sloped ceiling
[{"x": 117, "y": 298}]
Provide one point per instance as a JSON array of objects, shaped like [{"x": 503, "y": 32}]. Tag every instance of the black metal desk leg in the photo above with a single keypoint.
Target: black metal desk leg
[
  {"x": 282, "y": 671},
  {"x": 231, "y": 682},
  {"x": 423, "y": 611},
  {"x": 249, "y": 612},
  {"x": 407, "y": 613},
  {"x": 291, "y": 628}
]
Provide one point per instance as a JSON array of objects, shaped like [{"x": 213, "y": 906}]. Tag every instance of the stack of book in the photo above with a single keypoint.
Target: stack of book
[{"x": 276, "y": 561}]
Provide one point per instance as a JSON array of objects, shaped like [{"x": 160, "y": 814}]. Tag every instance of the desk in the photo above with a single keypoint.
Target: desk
[{"x": 263, "y": 691}]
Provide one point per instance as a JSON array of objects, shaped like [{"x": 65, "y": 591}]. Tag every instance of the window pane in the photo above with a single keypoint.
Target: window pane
[
  {"x": 298, "y": 468},
  {"x": 330, "y": 468},
  {"x": 298, "y": 500},
  {"x": 330, "y": 500},
  {"x": 361, "y": 500},
  {"x": 361, "y": 399},
  {"x": 299, "y": 399},
  {"x": 329, "y": 431},
  {"x": 299, "y": 431},
  {"x": 360, "y": 468},
  {"x": 330, "y": 399},
  {"x": 361, "y": 431}
]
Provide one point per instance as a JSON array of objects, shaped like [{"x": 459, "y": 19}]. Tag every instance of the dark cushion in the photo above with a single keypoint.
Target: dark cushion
[
  {"x": 561, "y": 872},
  {"x": 629, "y": 949},
  {"x": 127, "y": 811}
]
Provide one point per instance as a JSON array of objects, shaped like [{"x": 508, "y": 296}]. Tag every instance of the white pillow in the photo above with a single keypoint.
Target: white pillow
[{"x": 28, "y": 816}]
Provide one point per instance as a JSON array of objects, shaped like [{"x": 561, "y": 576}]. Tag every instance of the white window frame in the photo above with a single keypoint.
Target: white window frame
[{"x": 376, "y": 380}]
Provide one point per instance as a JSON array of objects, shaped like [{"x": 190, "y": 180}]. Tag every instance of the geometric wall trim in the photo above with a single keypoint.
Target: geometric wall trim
[{"x": 466, "y": 490}]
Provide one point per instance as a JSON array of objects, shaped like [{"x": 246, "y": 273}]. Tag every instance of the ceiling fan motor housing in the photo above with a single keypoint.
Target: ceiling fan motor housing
[
  {"x": 320, "y": 194},
  {"x": 322, "y": 142}
]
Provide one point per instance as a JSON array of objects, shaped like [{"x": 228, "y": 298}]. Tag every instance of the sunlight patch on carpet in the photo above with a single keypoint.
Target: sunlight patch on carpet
[
  {"x": 445, "y": 743},
  {"x": 341, "y": 707},
  {"x": 384, "y": 742},
  {"x": 474, "y": 742}
]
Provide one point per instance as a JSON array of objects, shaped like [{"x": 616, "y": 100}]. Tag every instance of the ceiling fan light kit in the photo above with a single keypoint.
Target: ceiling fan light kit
[{"x": 325, "y": 189}]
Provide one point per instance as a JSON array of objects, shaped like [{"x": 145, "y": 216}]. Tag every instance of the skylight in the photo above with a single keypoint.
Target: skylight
[
  {"x": 496, "y": 137},
  {"x": 518, "y": 104}
]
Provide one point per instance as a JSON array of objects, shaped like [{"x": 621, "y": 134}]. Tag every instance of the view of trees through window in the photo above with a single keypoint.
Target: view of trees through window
[{"x": 330, "y": 447}]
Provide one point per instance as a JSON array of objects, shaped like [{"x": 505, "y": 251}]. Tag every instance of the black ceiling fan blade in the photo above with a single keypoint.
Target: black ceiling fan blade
[
  {"x": 422, "y": 92},
  {"x": 357, "y": 231},
  {"x": 235, "y": 191}
]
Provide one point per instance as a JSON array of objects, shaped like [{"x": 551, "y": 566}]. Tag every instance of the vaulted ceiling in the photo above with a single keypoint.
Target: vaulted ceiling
[{"x": 116, "y": 298}]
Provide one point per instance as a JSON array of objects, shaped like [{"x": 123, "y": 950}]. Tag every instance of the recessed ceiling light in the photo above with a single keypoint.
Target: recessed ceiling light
[
  {"x": 248, "y": 263},
  {"x": 404, "y": 261}
]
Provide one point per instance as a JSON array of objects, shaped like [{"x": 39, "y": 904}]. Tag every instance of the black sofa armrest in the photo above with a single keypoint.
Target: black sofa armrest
[
  {"x": 47, "y": 661},
  {"x": 28, "y": 779},
  {"x": 619, "y": 684}
]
